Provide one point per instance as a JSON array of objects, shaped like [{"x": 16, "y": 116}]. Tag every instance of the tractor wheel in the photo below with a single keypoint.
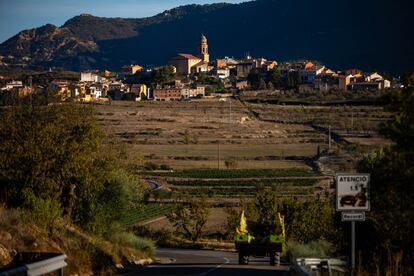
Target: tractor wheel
[
  {"x": 275, "y": 258},
  {"x": 243, "y": 258}
]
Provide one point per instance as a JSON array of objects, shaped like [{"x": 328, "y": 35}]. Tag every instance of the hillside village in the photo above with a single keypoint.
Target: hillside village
[{"x": 189, "y": 76}]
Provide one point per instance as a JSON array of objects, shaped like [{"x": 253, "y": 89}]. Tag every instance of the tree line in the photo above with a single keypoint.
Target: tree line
[{"x": 53, "y": 160}]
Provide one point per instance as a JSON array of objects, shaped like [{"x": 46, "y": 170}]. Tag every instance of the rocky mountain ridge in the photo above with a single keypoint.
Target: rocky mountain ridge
[{"x": 371, "y": 35}]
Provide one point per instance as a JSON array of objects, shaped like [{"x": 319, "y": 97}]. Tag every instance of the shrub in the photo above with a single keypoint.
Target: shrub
[
  {"x": 313, "y": 249},
  {"x": 43, "y": 212},
  {"x": 165, "y": 167},
  {"x": 134, "y": 242},
  {"x": 150, "y": 166},
  {"x": 233, "y": 221},
  {"x": 120, "y": 193}
]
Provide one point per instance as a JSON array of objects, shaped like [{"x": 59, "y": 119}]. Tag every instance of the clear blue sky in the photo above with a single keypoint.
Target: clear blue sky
[{"x": 18, "y": 15}]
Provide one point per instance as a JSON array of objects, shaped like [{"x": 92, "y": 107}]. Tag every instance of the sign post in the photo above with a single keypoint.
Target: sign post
[{"x": 352, "y": 200}]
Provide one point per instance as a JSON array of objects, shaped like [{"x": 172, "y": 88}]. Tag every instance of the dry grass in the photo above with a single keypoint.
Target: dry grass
[{"x": 86, "y": 254}]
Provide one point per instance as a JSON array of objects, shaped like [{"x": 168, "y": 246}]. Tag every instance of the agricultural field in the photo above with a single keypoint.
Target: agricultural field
[
  {"x": 224, "y": 152},
  {"x": 147, "y": 212},
  {"x": 228, "y": 185},
  {"x": 203, "y": 134}
]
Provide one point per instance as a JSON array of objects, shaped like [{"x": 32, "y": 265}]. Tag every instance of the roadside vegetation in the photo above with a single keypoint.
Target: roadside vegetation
[
  {"x": 54, "y": 166},
  {"x": 388, "y": 229}
]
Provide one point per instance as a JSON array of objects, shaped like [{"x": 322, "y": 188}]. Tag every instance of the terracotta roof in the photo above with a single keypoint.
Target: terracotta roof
[{"x": 188, "y": 56}]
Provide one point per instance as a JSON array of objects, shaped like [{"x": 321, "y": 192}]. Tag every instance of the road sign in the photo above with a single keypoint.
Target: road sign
[
  {"x": 360, "y": 216},
  {"x": 352, "y": 192}
]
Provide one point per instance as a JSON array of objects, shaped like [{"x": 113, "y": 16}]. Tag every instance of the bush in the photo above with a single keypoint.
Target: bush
[
  {"x": 43, "y": 212},
  {"x": 165, "y": 167},
  {"x": 134, "y": 242},
  {"x": 121, "y": 192},
  {"x": 150, "y": 166},
  {"x": 162, "y": 237},
  {"x": 314, "y": 249}
]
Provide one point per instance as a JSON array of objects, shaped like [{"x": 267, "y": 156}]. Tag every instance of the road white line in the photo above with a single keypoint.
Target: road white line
[{"x": 216, "y": 267}]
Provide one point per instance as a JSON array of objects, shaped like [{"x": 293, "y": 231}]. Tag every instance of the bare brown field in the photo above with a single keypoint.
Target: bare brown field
[
  {"x": 362, "y": 119},
  {"x": 195, "y": 134}
]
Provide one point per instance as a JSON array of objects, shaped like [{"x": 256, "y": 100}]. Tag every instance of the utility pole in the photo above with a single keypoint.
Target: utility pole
[
  {"x": 230, "y": 116},
  {"x": 218, "y": 147},
  {"x": 218, "y": 155},
  {"x": 352, "y": 121},
  {"x": 353, "y": 247},
  {"x": 329, "y": 138}
]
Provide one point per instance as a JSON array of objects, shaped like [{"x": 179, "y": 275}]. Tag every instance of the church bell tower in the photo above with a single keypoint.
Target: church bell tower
[{"x": 204, "y": 49}]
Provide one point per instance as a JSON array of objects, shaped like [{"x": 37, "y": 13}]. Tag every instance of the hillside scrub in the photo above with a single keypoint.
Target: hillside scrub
[
  {"x": 86, "y": 253},
  {"x": 54, "y": 164}
]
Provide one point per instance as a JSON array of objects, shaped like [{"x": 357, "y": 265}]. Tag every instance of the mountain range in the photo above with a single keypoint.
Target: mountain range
[{"x": 369, "y": 35}]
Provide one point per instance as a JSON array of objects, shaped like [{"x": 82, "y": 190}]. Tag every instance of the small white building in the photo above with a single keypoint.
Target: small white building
[
  {"x": 96, "y": 91},
  {"x": 193, "y": 92},
  {"x": 222, "y": 73},
  {"x": 13, "y": 84},
  {"x": 89, "y": 77}
]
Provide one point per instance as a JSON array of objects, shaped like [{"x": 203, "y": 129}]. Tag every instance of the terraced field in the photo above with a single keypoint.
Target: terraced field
[
  {"x": 205, "y": 133},
  {"x": 226, "y": 185},
  {"x": 147, "y": 212}
]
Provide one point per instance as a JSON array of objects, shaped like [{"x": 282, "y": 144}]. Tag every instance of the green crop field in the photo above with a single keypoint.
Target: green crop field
[
  {"x": 254, "y": 182},
  {"x": 147, "y": 212},
  {"x": 234, "y": 192},
  {"x": 251, "y": 173}
]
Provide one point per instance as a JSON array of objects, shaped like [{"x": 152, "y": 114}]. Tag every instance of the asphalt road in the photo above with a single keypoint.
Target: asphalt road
[
  {"x": 207, "y": 262},
  {"x": 153, "y": 185}
]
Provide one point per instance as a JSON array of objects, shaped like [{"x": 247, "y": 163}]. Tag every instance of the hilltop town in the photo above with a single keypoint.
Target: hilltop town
[{"x": 188, "y": 76}]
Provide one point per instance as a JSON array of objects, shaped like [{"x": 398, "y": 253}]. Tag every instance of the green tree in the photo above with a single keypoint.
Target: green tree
[
  {"x": 292, "y": 79},
  {"x": 270, "y": 86},
  {"x": 190, "y": 220},
  {"x": 302, "y": 217},
  {"x": 55, "y": 153},
  {"x": 262, "y": 84},
  {"x": 232, "y": 222},
  {"x": 230, "y": 163},
  {"x": 273, "y": 76},
  {"x": 388, "y": 230},
  {"x": 164, "y": 74},
  {"x": 201, "y": 77},
  {"x": 254, "y": 78}
]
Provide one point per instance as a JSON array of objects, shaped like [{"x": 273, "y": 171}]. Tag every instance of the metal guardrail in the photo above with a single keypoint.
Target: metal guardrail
[
  {"x": 316, "y": 266},
  {"x": 35, "y": 264}
]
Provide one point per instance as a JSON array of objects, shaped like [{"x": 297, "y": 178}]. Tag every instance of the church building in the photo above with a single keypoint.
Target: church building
[{"x": 188, "y": 63}]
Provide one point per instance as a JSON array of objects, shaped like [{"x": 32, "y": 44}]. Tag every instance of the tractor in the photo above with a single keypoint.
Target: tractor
[{"x": 260, "y": 239}]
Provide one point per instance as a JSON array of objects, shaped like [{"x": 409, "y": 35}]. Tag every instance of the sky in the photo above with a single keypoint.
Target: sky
[{"x": 18, "y": 15}]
